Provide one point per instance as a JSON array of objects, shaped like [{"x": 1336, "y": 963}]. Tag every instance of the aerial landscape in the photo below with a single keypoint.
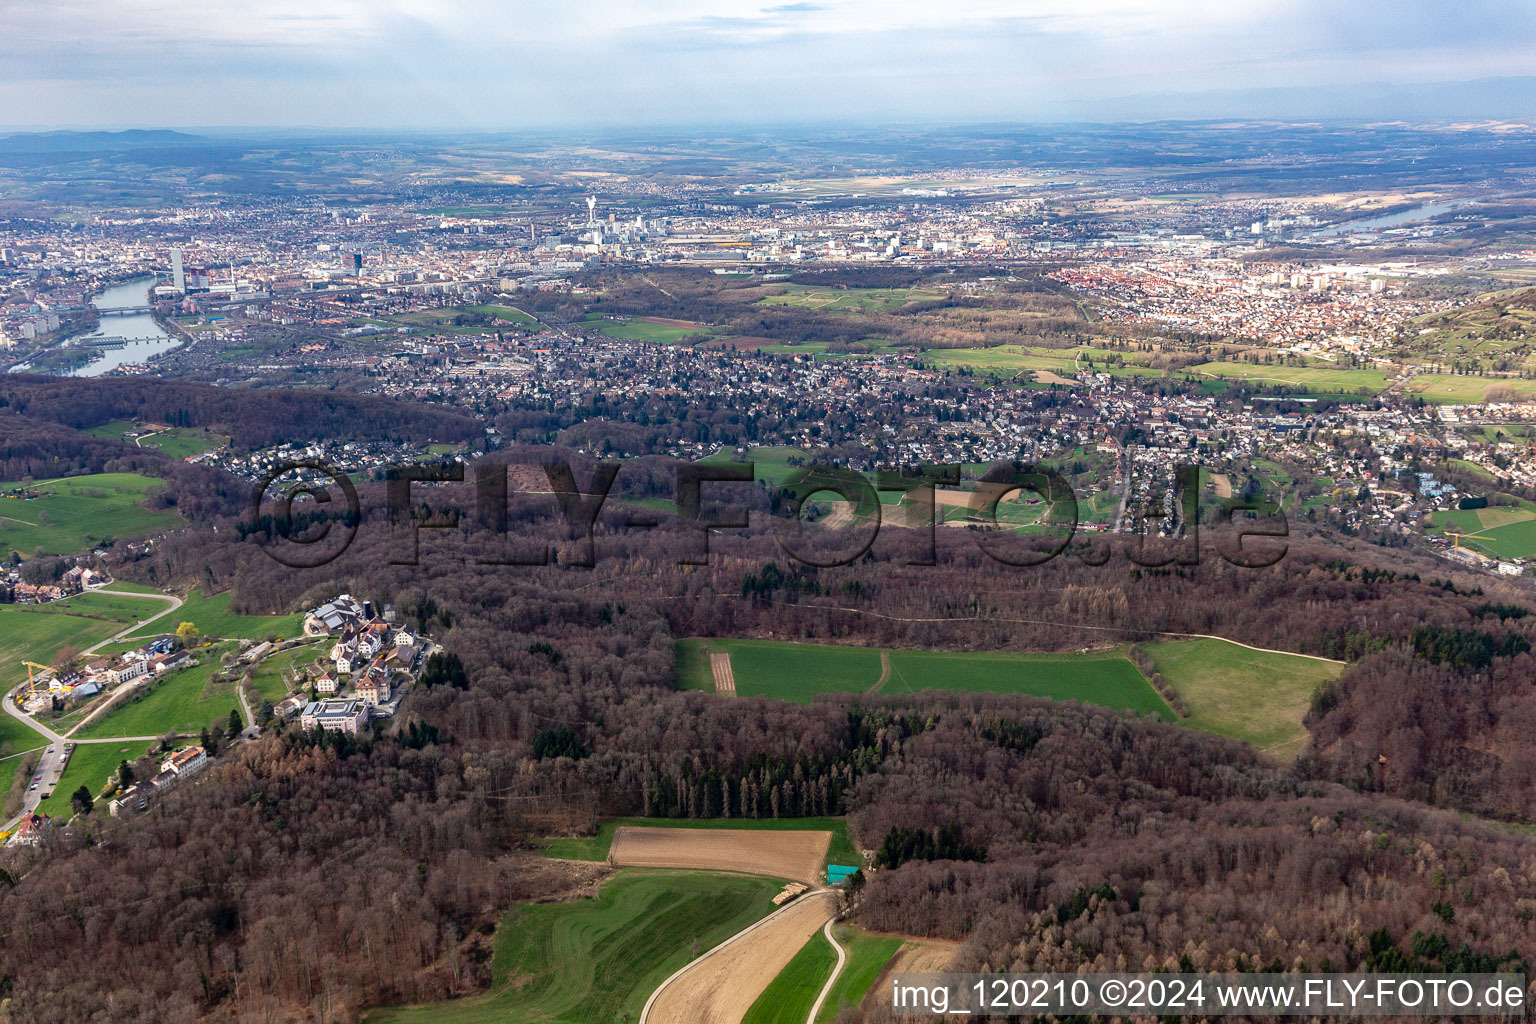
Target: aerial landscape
[{"x": 808, "y": 514}]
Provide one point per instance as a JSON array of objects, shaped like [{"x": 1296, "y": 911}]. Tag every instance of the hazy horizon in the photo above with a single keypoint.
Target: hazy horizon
[{"x": 468, "y": 65}]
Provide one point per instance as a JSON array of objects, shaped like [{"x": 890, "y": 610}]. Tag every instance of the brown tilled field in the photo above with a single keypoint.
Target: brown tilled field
[
  {"x": 797, "y": 855},
  {"x": 917, "y": 956},
  {"x": 721, "y": 987},
  {"x": 725, "y": 679}
]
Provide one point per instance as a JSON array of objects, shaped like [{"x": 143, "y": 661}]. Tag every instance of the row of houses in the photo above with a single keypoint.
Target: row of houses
[
  {"x": 174, "y": 769},
  {"x": 179, "y": 766},
  {"x": 14, "y": 590},
  {"x": 154, "y": 659}
]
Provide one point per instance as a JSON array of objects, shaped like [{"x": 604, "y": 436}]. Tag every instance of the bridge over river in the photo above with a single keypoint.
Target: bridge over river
[{"x": 108, "y": 341}]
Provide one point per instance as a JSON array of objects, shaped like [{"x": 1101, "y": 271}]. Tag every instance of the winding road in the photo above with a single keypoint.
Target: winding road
[
  {"x": 50, "y": 765},
  {"x": 826, "y": 990}
]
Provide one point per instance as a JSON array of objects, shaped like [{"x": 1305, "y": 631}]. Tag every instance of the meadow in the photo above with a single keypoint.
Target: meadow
[
  {"x": 789, "y": 997},
  {"x": 185, "y": 701},
  {"x": 507, "y": 313},
  {"x": 36, "y": 632},
  {"x": 1256, "y": 696},
  {"x": 1104, "y": 678},
  {"x": 1320, "y": 377},
  {"x": 636, "y": 329},
  {"x": 599, "y": 960},
  {"x": 213, "y": 618},
  {"x": 799, "y": 671},
  {"x": 1504, "y": 531},
  {"x": 867, "y": 956},
  {"x": 76, "y": 513},
  {"x": 1456, "y": 389},
  {"x": 176, "y": 442},
  {"x": 90, "y": 765},
  {"x": 848, "y": 300},
  {"x": 270, "y": 680},
  {"x": 796, "y": 672},
  {"x": 1010, "y": 360}
]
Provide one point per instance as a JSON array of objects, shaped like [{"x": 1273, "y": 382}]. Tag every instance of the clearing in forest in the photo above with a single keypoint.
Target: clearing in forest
[
  {"x": 775, "y": 853},
  {"x": 725, "y": 681}
]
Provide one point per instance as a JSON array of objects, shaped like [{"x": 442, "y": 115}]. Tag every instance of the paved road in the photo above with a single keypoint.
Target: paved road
[
  {"x": 826, "y": 990},
  {"x": 50, "y": 764},
  {"x": 171, "y": 600},
  {"x": 734, "y": 961}
]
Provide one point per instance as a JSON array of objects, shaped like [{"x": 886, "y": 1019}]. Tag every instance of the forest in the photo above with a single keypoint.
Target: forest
[
  {"x": 310, "y": 879},
  {"x": 255, "y": 418}
]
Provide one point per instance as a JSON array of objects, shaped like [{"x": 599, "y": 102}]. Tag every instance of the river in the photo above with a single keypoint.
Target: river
[{"x": 149, "y": 339}]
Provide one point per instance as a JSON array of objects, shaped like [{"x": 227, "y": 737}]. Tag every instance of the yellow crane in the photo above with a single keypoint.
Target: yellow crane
[
  {"x": 1457, "y": 538},
  {"x": 31, "y": 684}
]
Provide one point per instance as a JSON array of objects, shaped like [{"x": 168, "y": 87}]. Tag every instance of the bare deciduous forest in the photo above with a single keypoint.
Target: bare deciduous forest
[{"x": 311, "y": 878}]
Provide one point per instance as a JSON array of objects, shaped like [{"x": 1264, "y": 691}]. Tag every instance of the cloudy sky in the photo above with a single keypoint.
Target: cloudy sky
[{"x": 552, "y": 63}]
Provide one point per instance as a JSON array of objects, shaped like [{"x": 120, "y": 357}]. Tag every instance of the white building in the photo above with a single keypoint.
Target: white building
[{"x": 335, "y": 715}]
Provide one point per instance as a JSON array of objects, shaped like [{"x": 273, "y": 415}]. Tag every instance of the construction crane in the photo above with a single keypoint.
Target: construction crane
[
  {"x": 1457, "y": 538},
  {"x": 31, "y": 683}
]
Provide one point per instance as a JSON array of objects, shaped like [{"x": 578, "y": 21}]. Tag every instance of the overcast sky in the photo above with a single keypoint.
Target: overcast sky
[{"x": 552, "y": 63}]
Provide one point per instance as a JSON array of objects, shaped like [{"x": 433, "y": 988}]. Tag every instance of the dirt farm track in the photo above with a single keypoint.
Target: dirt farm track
[
  {"x": 721, "y": 986},
  {"x": 795, "y": 855}
]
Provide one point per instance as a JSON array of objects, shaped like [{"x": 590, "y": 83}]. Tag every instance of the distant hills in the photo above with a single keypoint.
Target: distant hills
[{"x": 96, "y": 142}]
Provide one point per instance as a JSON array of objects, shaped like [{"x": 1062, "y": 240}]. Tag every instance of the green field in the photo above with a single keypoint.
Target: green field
[
  {"x": 798, "y": 672},
  {"x": 213, "y": 618},
  {"x": 270, "y": 680},
  {"x": 1323, "y": 378},
  {"x": 125, "y": 587},
  {"x": 36, "y": 632},
  {"x": 1012, "y": 360},
  {"x": 584, "y": 961},
  {"x": 1503, "y": 531},
  {"x": 693, "y": 671},
  {"x": 1106, "y": 678},
  {"x": 90, "y": 765},
  {"x": 848, "y": 300},
  {"x": 788, "y": 999},
  {"x": 769, "y": 464},
  {"x": 80, "y": 512},
  {"x": 840, "y": 851},
  {"x": 867, "y": 956},
  {"x": 773, "y": 464},
  {"x": 788, "y": 671},
  {"x": 1256, "y": 696},
  {"x": 636, "y": 329},
  {"x": 176, "y": 442},
  {"x": 1517, "y": 540},
  {"x": 506, "y": 313},
  {"x": 184, "y": 701},
  {"x": 790, "y": 995},
  {"x": 1455, "y": 389}
]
